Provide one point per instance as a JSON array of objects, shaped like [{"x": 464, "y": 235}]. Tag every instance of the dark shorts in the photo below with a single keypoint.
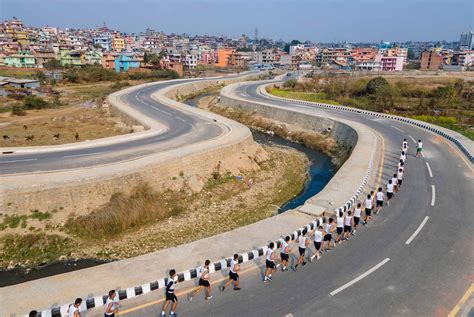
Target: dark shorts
[
  {"x": 233, "y": 276},
  {"x": 203, "y": 282},
  {"x": 347, "y": 228},
  {"x": 400, "y": 182},
  {"x": 302, "y": 251},
  {"x": 389, "y": 195},
  {"x": 419, "y": 149},
  {"x": 270, "y": 264},
  {"x": 317, "y": 245},
  {"x": 113, "y": 314},
  {"x": 339, "y": 230},
  {"x": 284, "y": 256},
  {"x": 327, "y": 237},
  {"x": 368, "y": 211},
  {"x": 379, "y": 203},
  {"x": 356, "y": 220},
  {"x": 171, "y": 296}
]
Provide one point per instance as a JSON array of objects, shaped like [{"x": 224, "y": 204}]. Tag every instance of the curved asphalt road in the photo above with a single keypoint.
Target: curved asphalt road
[
  {"x": 413, "y": 275},
  {"x": 183, "y": 128}
]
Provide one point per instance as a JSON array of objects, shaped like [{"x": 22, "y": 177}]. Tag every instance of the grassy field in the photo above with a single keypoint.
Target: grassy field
[{"x": 301, "y": 95}]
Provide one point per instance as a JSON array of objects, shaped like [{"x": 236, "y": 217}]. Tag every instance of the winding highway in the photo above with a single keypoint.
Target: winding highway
[
  {"x": 181, "y": 128},
  {"x": 414, "y": 259}
]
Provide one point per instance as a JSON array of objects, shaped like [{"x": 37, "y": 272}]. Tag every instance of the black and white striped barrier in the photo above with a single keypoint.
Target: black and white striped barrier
[{"x": 381, "y": 115}]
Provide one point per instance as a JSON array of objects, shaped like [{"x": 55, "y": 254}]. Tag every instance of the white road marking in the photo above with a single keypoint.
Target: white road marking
[
  {"x": 85, "y": 154},
  {"x": 417, "y": 231},
  {"x": 179, "y": 118},
  {"x": 397, "y": 129},
  {"x": 433, "y": 195},
  {"x": 357, "y": 279},
  {"x": 429, "y": 169},
  {"x": 413, "y": 139},
  {"x": 16, "y": 161},
  {"x": 158, "y": 109}
]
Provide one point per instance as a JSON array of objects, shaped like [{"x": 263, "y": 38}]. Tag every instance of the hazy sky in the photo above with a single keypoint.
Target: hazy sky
[{"x": 315, "y": 20}]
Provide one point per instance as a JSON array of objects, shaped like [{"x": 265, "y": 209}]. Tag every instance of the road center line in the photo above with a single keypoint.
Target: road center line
[
  {"x": 413, "y": 236},
  {"x": 397, "y": 129},
  {"x": 15, "y": 161},
  {"x": 357, "y": 279},
  {"x": 85, "y": 154},
  {"x": 413, "y": 139},
  {"x": 158, "y": 109},
  {"x": 429, "y": 169},
  {"x": 433, "y": 195},
  {"x": 181, "y": 119}
]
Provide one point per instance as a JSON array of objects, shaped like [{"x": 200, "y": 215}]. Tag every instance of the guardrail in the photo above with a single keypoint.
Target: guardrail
[{"x": 417, "y": 123}]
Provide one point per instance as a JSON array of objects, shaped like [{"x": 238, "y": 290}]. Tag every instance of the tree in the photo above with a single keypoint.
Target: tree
[
  {"x": 375, "y": 84},
  {"x": 71, "y": 76},
  {"x": 34, "y": 102}
]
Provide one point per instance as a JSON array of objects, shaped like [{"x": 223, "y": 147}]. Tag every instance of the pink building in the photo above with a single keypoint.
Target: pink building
[{"x": 391, "y": 63}]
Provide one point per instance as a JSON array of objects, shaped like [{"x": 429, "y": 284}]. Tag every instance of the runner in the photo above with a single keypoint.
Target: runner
[
  {"x": 328, "y": 230},
  {"x": 203, "y": 282},
  {"x": 419, "y": 148},
  {"x": 403, "y": 156},
  {"x": 317, "y": 239},
  {"x": 395, "y": 182},
  {"x": 389, "y": 191},
  {"x": 73, "y": 310},
  {"x": 368, "y": 209},
  {"x": 404, "y": 145},
  {"x": 111, "y": 306},
  {"x": 302, "y": 244},
  {"x": 285, "y": 254},
  {"x": 170, "y": 295},
  {"x": 357, "y": 214},
  {"x": 401, "y": 165},
  {"x": 233, "y": 275},
  {"x": 399, "y": 178},
  {"x": 339, "y": 227},
  {"x": 270, "y": 263},
  {"x": 348, "y": 222},
  {"x": 380, "y": 198}
]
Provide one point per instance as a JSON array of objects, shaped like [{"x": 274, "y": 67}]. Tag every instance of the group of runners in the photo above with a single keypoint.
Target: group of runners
[{"x": 342, "y": 227}]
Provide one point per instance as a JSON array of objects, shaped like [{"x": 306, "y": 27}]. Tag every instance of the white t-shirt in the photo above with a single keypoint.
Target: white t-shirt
[
  {"x": 72, "y": 309},
  {"x": 403, "y": 157},
  {"x": 302, "y": 242},
  {"x": 284, "y": 245},
  {"x": 318, "y": 236},
  {"x": 400, "y": 175},
  {"x": 328, "y": 228},
  {"x": 394, "y": 181},
  {"x": 340, "y": 222},
  {"x": 269, "y": 254},
  {"x": 348, "y": 221},
  {"x": 232, "y": 265},
  {"x": 420, "y": 145},
  {"x": 405, "y": 144},
  {"x": 357, "y": 212},
  {"x": 368, "y": 203},
  {"x": 389, "y": 188},
  {"x": 109, "y": 300},
  {"x": 380, "y": 196}
]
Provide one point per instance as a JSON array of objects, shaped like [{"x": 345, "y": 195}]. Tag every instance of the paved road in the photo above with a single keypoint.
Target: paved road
[
  {"x": 183, "y": 128},
  {"x": 415, "y": 259}
]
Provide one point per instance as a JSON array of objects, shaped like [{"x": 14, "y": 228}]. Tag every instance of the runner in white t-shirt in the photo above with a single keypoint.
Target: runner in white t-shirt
[
  {"x": 395, "y": 182},
  {"x": 348, "y": 222},
  {"x": 318, "y": 239},
  {"x": 419, "y": 148},
  {"x": 302, "y": 244},
  {"x": 270, "y": 263},
  {"x": 285, "y": 254},
  {"x": 357, "y": 215},
  {"x": 390, "y": 188},
  {"x": 339, "y": 227},
  {"x": 369, "y": 204},
  {"x": 399, "y": 178},
  {"x": 73, "y": 309},
  {"x": 380, "y": 197}
]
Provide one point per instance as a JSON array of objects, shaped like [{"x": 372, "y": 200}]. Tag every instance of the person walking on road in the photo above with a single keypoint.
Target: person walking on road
[
  {"x": 203, "y": 282},
  {"x": 399, "y": 178},
  {"x": 403, "y": 156},
  {"x": 419, "y": 148},
  {"x": 389, "y": 191},
  {"x": 328, "y": 230},
  {"x": 405, "y": 145},
  {"x": 395, "y": 183},
  {"x": 285, "y": 254},
  {"x": 73, "y": 309},
  {"x": 302, "y": 244},
  {"x": 380, "y": 197},
  {"x": 339, "y": 227},
  {"x": 270, "y": 263},
  {"x": 170, "y": 295},
  {"x": 233, "y": 275},
  {"x": 369, "y": 203},
  {"x": 111, "y": 305},
  {"x": 318, "y": 239},
  {"x": 357, "y": 215},
  {"x": 348, "y": 222}
]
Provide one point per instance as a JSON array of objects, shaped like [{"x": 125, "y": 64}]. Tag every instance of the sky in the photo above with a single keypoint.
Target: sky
[{"x": 313, "y": 20}]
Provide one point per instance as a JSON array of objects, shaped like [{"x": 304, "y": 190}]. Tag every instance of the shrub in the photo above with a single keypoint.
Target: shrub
[
  {"x": 18, "y": 110},
  {"x": 376, "y": 84},
  {"x": 34, "y": 102}
]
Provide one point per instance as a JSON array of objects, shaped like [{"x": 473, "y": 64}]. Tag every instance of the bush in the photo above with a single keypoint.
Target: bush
[
  {"x": 18, "y": 110},
  {"x": 376, "y": 84},
  {"x": 33, "y": 102}
]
